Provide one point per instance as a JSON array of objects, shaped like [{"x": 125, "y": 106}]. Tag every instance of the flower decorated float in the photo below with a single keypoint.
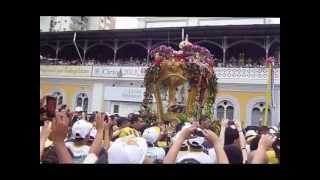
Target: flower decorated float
[{"x": 182, "y": 83}]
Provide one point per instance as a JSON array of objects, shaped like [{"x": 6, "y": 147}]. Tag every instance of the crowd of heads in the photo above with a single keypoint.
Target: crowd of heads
[
  {"x": 100, "y": 138},
  {"x": 231, "y": 63},
  {"x": 94, "y": 62}
]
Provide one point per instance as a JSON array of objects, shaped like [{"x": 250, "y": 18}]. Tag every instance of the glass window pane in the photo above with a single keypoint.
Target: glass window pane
[
  {"x": 229, "y": 113},
  {"x": 220, "y": 112},
  {"x": 60, "y": 100},
  {"x": 79, "y": 101},
  {"x": 85, "y": 104},
  {"x": 115, "y": 108},
  {"x": 255, "y": 117}
]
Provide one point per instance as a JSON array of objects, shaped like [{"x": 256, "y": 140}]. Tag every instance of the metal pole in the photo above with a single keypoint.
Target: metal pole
[
  {"x": 74, "y": 42},
  {"x": 114, "y": 56}
]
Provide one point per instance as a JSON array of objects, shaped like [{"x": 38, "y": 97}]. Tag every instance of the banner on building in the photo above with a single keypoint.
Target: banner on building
[
  {"x": 124, "y": 94},
  {"x": 65, "y": 71},
  {"x": 119, "y": 71}
]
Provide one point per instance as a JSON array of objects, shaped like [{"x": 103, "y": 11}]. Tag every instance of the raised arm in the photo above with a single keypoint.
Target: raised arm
[
  {"x": 59, "y": 133},
  {"x": 218, "y": 144},
  {"x": 170, "y": 158},
  {"x": 265, "y": 143},
  {"x": 44, "y": 134},
  {"x": 224, "y": 124},
  {"x": 242, "y": 141},
  {"x": 100, "y": 125}
]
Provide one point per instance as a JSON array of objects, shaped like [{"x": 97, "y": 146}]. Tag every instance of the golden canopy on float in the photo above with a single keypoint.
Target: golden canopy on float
[{"x": 192, "y": 65}]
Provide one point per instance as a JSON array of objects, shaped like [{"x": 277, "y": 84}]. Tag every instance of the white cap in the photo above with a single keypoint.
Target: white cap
[
  {"x": 273, "y": 129},
  {"x": 81, "y": 128},
  {"x": 251, "y": 133},
  {"x": 198, "y": 140},
  {"x": 78, "y": 109},
  {"x": 93, "y": 133},
  {"x": 151, "y": 134},
  {"x": 156, "y": 153},
  {"x": 127, "y": 150},
  {"x": 201, "y": 157}
]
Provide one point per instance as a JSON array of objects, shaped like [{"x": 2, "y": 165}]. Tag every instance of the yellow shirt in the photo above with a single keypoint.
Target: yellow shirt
[
  {"x": 272, "y": 159},
  {"x": 128, "y": 131}
]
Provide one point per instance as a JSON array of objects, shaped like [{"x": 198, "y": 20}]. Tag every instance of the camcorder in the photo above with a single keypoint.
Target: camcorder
[{"x": 48, "y": 111}]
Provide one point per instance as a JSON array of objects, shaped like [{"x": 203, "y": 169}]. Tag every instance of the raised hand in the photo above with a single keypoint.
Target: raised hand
[
  {"x": 46, "y": 130},
  {"x": 266, "y": 141},
  {"x": 100, "y": 123},
  {"x": 224, "y": 123},
  {"x": 59, "y": 127}
]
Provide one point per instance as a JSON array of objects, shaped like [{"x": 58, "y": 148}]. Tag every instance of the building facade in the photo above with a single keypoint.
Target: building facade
[{"x": 119, "y": 89}]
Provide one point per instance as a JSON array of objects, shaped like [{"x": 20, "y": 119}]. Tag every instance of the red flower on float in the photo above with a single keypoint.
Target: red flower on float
[{"x": 157, "y": 61}]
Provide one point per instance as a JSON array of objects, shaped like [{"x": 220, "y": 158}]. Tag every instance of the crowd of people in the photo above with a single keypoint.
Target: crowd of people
[
  {"x": 101, "y": 138},
  {"x": 231, "y": 63},
  {"x": 246, "y": 63},
  {"x": 93, "y": 62}
]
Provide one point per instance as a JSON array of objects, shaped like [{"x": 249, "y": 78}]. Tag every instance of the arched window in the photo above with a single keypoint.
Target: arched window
[
  {"x": 229, "y": 112},
  {"x": 257, "y": 114},
  {"x": 225, "y": 109},
  {"x": 220, "y": 112},
  {"x": 82, "y": 101},
  {"x": 59, "y": 97}
]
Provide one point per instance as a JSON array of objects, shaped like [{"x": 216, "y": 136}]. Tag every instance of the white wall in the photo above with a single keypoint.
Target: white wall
[
  {"x": 97, "y": 97},
  {"x": 124, "y": 107}
]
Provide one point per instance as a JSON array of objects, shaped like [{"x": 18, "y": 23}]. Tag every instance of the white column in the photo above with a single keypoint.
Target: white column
[{"x": 97, "y": 97}]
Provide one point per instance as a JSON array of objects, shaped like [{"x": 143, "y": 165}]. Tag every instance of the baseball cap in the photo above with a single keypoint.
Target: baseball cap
[
  {"x": 196, "y": 142},
  {"x": 151, "y": 134},
  {"x": 251, "y": 134},
  {"x": 273, "y": 130},
  {"x": 127, "y": 150},
  {"x": 195, "y": 158},
  {"x": 93, "y": 133},
  {"x": 81, "y": 129},
  {"x": 78, "y": 109},
  {"x": 155, "y": 153}
]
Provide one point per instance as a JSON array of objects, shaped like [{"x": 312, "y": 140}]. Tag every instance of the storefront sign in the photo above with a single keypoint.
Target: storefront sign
[
  {"x": 65, "y": 71},
  {"x": 124, "y": 94},
  {"x": 119, "y": 71}
]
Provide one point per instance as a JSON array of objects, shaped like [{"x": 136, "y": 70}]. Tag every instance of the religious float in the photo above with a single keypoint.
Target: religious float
[{"x": 179, "y": 84}]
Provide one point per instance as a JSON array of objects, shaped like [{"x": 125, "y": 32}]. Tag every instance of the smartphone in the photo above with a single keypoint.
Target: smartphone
[{"x": 51, "y": 106}]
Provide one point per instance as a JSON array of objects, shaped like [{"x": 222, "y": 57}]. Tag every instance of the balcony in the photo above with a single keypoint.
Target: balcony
[{"x": 224, "y": 75}]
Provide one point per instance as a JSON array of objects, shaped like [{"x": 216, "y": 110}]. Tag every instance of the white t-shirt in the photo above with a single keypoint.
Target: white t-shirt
[
  {"x": 79, "y": 153},
  {"x": 155, "y": 153}
]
